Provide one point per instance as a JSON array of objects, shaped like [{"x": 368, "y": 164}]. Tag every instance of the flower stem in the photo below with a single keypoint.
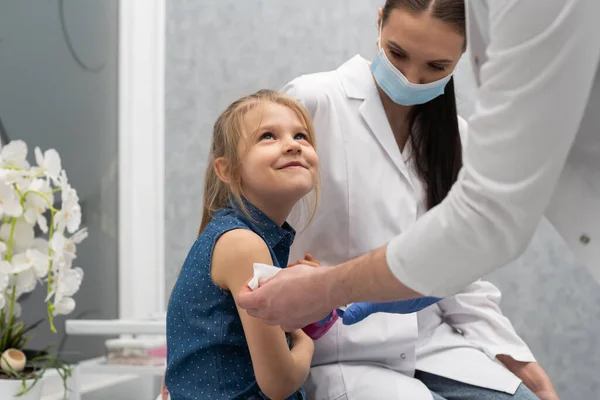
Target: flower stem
[
  {"x": 10, "y": 240},
  {"x": 9, "y": 326},
  {"x": 42, "y": 195},
  {"x": 50, "y": 277}
]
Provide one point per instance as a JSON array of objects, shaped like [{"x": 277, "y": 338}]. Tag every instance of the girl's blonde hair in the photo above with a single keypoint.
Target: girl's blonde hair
[{"x": 228, "y": 133}]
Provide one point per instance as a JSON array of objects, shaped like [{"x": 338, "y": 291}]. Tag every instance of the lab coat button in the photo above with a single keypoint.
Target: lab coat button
[
  {"x": 403, "y": 356},
  {"x": 584, "y": 239}
]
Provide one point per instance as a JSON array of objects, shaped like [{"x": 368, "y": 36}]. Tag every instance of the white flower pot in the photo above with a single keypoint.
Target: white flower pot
[{"x": 9, "y": 388}]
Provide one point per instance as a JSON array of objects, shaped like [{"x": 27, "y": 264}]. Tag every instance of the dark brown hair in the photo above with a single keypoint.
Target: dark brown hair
[{"x": 433, "y": 126}]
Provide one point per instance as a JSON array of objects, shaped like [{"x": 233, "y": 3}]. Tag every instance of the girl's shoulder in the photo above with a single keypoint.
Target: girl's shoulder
[{"x": 224, "y": 220}]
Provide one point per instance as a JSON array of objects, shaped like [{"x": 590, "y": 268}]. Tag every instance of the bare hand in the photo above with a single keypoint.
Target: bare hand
[
  {"x": 308, "y": 260},
  {"x": 296, "y": 336},
  {"x": 293, "y": 298},
  {"x": 164, "y": 393},
  {"x": 547, "y": 395}
]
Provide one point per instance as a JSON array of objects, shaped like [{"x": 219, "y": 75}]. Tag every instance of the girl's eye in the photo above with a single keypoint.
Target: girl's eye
[
  {"x": 267, "y": 136},
  {"x": 301, "y": 136}
]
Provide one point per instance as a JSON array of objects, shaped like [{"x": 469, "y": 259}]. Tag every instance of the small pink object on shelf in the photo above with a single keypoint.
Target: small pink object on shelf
[{"x": 158, "y": 352}]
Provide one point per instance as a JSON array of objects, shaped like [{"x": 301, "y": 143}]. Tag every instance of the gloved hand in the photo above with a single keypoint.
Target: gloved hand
[{"x": 358, "y": 311}]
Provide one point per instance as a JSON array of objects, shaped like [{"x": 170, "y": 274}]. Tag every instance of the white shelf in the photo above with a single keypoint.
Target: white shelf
[
  {"x": 101, "y": 327},
  {"x": 99, "y": 366},
  {"x": 53, "y": 385}
]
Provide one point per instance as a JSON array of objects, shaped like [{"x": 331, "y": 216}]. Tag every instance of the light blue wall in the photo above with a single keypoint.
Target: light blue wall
[{"x": 218, "y": 50}]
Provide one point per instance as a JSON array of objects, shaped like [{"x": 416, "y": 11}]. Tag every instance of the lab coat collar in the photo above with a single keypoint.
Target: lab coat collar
[
  {"x": 358, "y": 83},
  {"x": 356, "y": 78}
]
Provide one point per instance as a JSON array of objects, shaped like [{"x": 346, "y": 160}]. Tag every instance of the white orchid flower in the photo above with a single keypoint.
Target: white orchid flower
[
  {"x": 37, "y": 203},
  {"x": 30, "y": 267},
  {"x": 31, "y": 259},
  {"x": 23, "y": 237},
  {"x": 36, "y": 216},
  {"x": 25, "y": 282},
  {"x": 14, "y": 154},
  {"x": 49, "y": 163},
  {"x": 39, "y": 186},
  {"x": 67, "y": 247},
  {"x": 5, "y": 268},
  {"x": 70, "y": 214},
  {"x": 13, "y": 176},
  {"x": 65, "y": 306},
  {"x": 10, "y": 203},
  {"x": 68, "y": 283}
]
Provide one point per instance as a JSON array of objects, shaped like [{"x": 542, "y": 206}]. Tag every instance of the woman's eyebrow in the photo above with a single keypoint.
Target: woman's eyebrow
[{"x": 399, "y": 48}]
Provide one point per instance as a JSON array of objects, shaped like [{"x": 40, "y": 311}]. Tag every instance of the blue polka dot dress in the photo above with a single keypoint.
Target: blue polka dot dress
[{"x": 207, "y": 353}]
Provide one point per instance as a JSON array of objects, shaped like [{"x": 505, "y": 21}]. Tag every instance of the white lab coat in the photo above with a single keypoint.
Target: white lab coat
[
  {"x": 529, "y": 151},
  {"x": 369, "y": 194}
]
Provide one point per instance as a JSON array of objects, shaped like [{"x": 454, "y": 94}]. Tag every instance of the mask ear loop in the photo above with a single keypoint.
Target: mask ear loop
[{"x": 380, "y": 47}]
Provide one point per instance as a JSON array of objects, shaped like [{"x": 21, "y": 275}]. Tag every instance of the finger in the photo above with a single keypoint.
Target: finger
[
  {"x": 311, "y": 261},
  {"x": 249, "y": 299},
  {"x": 263, "y": 281},
  {"x": 272, "y": 322},
  {"x": 254, "y": 312},
  {"x": 163, "y": 390},
  {"x": 355, "y": 313},
  {"x": 288, "y": 328},
  {"x": 245, "y": 289},
  {"x": 295, "y": 263}
]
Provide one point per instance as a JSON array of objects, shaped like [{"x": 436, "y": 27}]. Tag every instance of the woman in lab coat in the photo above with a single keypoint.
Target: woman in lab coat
[{"x": 386, "y": 158}]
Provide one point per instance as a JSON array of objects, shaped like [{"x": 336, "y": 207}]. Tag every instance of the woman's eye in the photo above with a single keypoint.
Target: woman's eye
[
  {"x": 301, "y": 136},
  {"x": 267, "y": 136},
  {"x": 397, "y": 55},
  {"x": 437, "y": 67}
]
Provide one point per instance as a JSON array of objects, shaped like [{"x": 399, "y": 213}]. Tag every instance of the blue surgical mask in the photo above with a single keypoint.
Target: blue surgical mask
[{"x": 397, "y": 86}]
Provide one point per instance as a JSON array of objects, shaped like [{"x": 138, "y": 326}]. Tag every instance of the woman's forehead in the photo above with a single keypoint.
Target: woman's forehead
[{"x": 423, "y": 36}]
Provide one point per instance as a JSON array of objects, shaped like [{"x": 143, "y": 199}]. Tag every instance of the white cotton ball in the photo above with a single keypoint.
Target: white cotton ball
[{"x": 15, "y": 359}]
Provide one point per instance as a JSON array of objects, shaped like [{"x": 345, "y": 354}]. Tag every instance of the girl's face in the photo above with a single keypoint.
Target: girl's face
[
  {"x": 279, "y": 162},
  {"x": 424, "y": 48}
]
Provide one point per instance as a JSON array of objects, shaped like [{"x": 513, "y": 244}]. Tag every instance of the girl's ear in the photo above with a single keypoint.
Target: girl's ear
[{"x": 221, "y": 167}]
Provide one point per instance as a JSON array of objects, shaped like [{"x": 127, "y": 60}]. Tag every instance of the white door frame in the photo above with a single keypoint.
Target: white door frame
[{"x": 141, "y": 158}]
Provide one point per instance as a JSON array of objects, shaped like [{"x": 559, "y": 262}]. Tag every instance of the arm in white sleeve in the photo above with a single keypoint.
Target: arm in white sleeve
[
  {"x": 542, "y": 58},
  {"x": 304, "y": 92},
  {"x": 476, "y": 313}
]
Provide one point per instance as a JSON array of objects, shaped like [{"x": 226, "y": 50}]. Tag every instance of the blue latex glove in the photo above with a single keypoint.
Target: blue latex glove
[{"x": 359, "y": 311}]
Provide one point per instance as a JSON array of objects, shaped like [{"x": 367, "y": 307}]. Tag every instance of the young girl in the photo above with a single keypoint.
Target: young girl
[{"x": 262, "y": 162}]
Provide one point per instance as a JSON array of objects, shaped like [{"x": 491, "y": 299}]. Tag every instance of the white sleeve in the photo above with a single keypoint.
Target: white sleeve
[
  {"x": 541, "y": 63},
  {"x": 463, "y": 128},
  {"x": 476, "y": 313},
  {"x": 303, "y": 91}
]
